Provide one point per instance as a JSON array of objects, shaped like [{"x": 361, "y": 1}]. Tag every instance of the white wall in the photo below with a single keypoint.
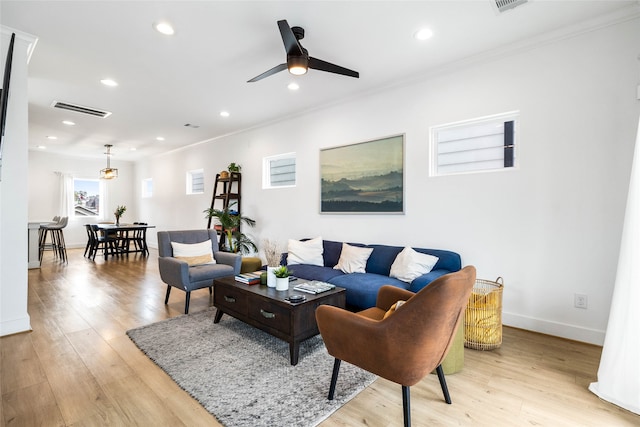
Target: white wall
[
  {"x": 44, "y": 191},
  {"x": 13, "y": 192},
  {"x": 551, "y": 228}
]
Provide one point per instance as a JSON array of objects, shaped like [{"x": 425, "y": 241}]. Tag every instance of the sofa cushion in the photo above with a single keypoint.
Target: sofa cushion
[
  {"x": 362, "y": 288},
  {"x": 447, "y": 260},
  {"x": 353, "y": 259},
  {"x": 305, "y": 252},
  {"x": 381, "y": 259},
  {"x": 194, "y": 253},
  {"x": 331, "y": 253},
  {"x": 393, "y": 308},
  {"x": 314, "y": 272},
  {"x": 410, "y": 265}
]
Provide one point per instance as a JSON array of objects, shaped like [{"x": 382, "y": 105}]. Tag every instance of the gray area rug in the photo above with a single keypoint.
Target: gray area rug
[{"x": 243, "y": 376}]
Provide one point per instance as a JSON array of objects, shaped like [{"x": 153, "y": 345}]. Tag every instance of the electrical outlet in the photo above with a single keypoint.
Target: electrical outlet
[{"x": 580, "y": 300}]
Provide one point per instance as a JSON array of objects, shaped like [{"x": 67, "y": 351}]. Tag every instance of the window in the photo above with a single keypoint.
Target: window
[
  {"x": 279, "y": 171},
  {"x": 482, "y": 144},
  {"x": 87, "y": 197},
  {"x": 195, "y": 182},
  {"x": 147, "y": 187}
]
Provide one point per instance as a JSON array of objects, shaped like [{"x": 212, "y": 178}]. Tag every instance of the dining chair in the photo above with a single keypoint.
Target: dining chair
[
  {"x": 90, "y": 241},
  {"x": 139, "y": 238},
  {"x": 102, "y": 240}
]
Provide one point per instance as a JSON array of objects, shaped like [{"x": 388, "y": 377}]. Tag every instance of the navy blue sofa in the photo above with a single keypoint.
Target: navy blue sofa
[{"x": 362, "y": 288}]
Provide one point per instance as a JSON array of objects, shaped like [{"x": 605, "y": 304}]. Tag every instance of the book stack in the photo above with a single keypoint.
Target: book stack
[
  {"x": 249, "y": 278},
  {"x": 314, "y": 287}
]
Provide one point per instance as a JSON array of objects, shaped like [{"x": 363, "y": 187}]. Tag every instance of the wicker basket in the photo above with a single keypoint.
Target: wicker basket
[{"x": 483, "y": 316}]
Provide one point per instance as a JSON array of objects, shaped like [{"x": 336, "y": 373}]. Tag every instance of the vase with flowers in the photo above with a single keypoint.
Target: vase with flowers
[
  {"x": 272, "y": 254},
  {"x": 120, "y": 210}
]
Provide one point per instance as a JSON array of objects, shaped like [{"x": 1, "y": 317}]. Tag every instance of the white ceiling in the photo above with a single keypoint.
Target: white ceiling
[{"x": 166, "y": 82}]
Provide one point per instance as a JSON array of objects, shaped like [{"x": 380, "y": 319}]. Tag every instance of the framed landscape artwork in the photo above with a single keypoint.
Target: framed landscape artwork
[{"x": 367, "y": 177}]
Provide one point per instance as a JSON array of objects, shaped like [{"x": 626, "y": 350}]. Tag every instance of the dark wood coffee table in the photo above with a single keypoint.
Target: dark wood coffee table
[{"x": 266, "y": 309}]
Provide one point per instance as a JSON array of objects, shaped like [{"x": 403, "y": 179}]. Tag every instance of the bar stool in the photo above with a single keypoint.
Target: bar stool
[{"x": 57, "y": 239}]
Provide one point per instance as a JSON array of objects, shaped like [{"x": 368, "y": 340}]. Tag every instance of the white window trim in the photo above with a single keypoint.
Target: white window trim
[
  {"x": 266, "y": 171},
  {"x": 433, "y": 143},
  {"x": 189, "y": 180},
  {"x": 102, "y": 210},
  {"x": 144, "y": 193}
]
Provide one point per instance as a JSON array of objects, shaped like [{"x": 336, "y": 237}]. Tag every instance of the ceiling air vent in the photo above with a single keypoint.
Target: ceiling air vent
[
  {"x": 504, "y": 5},
  {"x": 80, "y": 109}
]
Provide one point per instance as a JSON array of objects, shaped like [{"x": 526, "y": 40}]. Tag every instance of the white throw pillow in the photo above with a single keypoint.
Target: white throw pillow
[
  {"x": 307, "y": 252},
  {"x": 410, "y": 264},
  {"x": 194, "y": 253},
  {"x": 353, "y": 259}
]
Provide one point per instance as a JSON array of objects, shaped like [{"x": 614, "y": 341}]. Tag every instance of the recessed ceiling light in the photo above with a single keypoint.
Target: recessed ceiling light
[
  {"x": 160, "y": 138},
  {"x": 42, "y": 147},
  {"x": 224, "y": 114},
  {"x": 68, "y": 123},
  {"x": 164, "y": 28},
  {"x": 109, "y": 82},
  {"x": 293, "y": 86},
  {"x": 423, "y": 34},
  {"x": 51, "y": 137},
  {"x": 132, "y": 149}
]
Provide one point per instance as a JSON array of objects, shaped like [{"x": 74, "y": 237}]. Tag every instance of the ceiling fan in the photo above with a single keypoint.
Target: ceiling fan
[{"x": 298, "y": 59}]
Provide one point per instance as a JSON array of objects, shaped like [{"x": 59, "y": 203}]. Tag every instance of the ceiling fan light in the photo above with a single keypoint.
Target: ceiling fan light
[
  {"x": 297, "y": 65},
  {"x": 298, "y": 70}
]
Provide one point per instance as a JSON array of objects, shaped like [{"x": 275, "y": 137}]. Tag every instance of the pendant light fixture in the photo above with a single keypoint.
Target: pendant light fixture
[{"x": 108, "y": 172}]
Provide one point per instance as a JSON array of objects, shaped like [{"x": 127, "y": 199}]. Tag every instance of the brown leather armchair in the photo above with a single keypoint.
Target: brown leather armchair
[{"x": 406, "y": 345}]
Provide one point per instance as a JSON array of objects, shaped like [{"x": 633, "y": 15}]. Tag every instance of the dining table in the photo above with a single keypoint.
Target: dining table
[{"x": 131, "y": 238}]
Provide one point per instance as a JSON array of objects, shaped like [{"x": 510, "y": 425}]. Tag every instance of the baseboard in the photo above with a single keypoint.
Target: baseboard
[
  {"x": 14, "y": 326},
  {"x": 564, "y": 330}
]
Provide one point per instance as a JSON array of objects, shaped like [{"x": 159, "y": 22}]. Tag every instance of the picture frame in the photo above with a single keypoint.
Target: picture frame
[{"x": 363, "y": 178}]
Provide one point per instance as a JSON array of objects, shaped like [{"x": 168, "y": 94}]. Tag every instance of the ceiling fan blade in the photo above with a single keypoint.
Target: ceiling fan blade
[
  {"x": 318, "y": 64},
  {"x": 291, "y": 44},
  {"x": 274, "y": 70}
]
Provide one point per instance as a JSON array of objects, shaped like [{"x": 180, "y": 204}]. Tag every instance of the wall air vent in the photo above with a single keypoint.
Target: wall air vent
[
  {"x": 504, "y": 5},
  {"x": 80, "y": 109}
]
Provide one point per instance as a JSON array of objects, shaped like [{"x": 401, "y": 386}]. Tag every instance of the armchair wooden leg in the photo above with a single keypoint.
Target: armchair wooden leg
[
  {"x": 334, "y": 378},
  {"x": 210, "y": 290},
  {"x": 443, "y": 384},
  {"x": 186, "y": 303},
  {"x": 166, "y": 298},
  {"x": 406, "y": 405}
]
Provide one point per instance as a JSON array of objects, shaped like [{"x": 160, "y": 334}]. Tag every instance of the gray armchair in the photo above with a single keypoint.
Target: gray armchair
[{"x": 179, "y": 274}]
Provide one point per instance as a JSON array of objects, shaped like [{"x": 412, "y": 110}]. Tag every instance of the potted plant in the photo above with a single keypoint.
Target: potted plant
[
  {"x": 282, "y": 274},
  {"x": 234, "y": 167},
  {"x": 120, "y": 210},
  {"x": 229, "y": 222},
  {"x": 273, "y": 256}
]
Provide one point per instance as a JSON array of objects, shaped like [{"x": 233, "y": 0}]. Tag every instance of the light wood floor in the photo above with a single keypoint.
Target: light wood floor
[{"x": 79, "y": 368}]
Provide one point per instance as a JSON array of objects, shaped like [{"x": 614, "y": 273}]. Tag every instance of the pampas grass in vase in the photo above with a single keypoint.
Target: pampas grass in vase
[{"x": 272, "y": 255}]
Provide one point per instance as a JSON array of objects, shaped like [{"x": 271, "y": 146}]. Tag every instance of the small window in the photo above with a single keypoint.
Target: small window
[
  {"x": 279, "y": 171},
  {"x": 87, "y": 195},
  {"x": 195, "y": 181},
  {"x": 147, "y": 187},
  {"x": 477, "y": 145}
]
